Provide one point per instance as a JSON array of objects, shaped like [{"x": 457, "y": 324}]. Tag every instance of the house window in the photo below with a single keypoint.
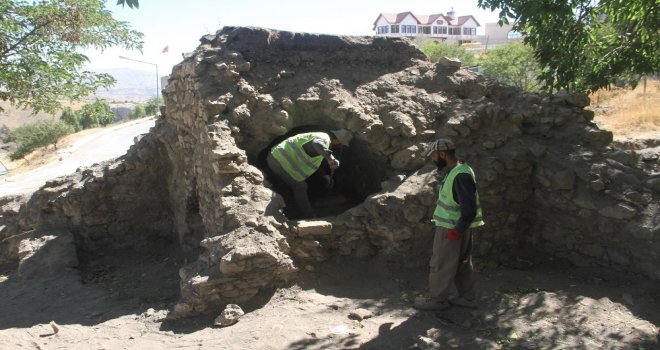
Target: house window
[
  {"x": 383, "y": 29},
  {"x": 408, "y": 29},
  {"x": 455, "y": 31},
  {"x": 469, "y": 31},
  {"x": 439, "y": 30},
  {"x": 395, "y": 28},
  {"x": 424, "y": 29}
]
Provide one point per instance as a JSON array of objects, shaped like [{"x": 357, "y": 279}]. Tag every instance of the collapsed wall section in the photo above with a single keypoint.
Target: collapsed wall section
[{"x": 118, "y": 204}]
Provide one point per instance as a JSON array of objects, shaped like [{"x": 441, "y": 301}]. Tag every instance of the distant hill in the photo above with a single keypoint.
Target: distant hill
[
  {"x": 13, "y": 117},
  {"x": 132, "y": 85}
]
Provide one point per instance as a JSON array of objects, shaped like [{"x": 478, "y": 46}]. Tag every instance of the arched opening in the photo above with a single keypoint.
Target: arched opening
[{"x": 359, "y": 175}]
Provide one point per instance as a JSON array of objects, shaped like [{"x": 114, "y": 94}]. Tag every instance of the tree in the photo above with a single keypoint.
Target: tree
[
  {"x": 104, "y": 111},
  {"x": 137, "y": 112},
  {"x": 130, "y": 3},
  {"x": 153, "y": 105},
  {"x": 435, "y": 50},
  {"x": 72, "y": 118},
  {"x": 95, "y": 114},
  {"x": 39, "y": 42},
  {"x": 40, "y": 134},
  {"x": 513, "y": 64},
  {"x": 574, "y": 51}
]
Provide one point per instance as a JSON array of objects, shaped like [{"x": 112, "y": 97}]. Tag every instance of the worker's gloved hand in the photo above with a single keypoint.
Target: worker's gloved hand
[
  {"x": 334, "y": 164},
  {"x": 453, "y": 235},
  {"x": 329, "y": 182}
]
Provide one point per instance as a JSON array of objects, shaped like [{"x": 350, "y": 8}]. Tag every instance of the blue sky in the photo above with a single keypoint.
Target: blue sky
[{"x": 179, "y": 24}]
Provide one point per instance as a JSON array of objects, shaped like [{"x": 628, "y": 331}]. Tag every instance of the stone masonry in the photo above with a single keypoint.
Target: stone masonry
[{"x": 547, "y": 176}]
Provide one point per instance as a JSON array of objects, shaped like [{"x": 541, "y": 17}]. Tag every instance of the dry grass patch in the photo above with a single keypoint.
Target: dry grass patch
[
  {"x": 629, "y": 113},
  {"x": 43, "y": 155}
]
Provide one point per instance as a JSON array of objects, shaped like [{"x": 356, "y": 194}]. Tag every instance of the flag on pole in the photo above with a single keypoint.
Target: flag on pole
[{"x": 166, "y": 49}]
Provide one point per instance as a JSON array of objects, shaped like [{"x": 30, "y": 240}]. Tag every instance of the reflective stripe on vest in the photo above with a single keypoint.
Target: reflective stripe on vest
[
  {"x": 293, "y": 158},
  {"x": 447, "y": 211}
]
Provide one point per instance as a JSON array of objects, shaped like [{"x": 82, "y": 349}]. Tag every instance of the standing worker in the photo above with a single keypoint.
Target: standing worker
[
  {"x": 298, "y": 157},
  {"x": 457, "y": 212}
]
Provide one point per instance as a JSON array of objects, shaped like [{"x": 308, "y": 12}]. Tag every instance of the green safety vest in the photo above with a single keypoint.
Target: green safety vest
[
  {"x": 447, "y": 212},
  {"x": 293, "y": 158}
]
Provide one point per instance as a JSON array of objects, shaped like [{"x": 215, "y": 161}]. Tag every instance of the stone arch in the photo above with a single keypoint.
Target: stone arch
[{"x": 359, "y": 175}]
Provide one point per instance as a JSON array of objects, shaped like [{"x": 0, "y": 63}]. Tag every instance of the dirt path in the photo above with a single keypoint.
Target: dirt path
[
  {"x": 82, "y": 150},
  {"x": 120, "y": 301}
]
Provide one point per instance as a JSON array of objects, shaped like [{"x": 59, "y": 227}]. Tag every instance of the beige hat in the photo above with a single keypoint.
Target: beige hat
[
  {"x": 440, "y": 145},
  {"x": 344, "y": 136}
]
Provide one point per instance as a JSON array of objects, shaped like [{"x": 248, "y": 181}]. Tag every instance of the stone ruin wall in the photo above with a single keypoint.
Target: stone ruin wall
[
  {"x": 547, "y": 176},
  {"x": 116, "y": 204}
]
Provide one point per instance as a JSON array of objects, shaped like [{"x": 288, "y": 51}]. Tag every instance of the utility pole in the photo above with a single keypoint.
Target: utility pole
[{"x": 157, "y": 80}]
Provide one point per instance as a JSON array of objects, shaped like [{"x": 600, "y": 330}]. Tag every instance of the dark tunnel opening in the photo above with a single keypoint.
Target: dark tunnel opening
[{"x": 358, "y": 176}]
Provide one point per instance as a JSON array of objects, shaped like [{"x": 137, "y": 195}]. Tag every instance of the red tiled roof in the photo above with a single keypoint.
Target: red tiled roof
[
  {"x": 422, "y": 19},
  {"x": 394, "y": 18},
  {"x": 439, "y": 16},
  {"x": 401, "y": 16},
  {"x": 463, "y": 19}
]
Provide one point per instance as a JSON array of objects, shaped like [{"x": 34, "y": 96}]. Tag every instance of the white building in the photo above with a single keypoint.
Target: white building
[
  {"x": 497, "y": 35},
  {"x": 447, "y": 27}
]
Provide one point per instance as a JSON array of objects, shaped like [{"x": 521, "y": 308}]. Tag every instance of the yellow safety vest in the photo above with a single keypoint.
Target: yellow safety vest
[
  {"x": 447, "y": 211},
  {"x": 293, "y": 158}
]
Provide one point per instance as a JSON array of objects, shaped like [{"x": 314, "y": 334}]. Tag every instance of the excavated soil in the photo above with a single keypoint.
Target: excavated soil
[{"x": 120, "y": 300}]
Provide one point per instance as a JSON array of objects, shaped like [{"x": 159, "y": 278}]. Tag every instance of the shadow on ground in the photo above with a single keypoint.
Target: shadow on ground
[
  {"x": 107, "y": 285},
  {"x": 523, "y": 305}
]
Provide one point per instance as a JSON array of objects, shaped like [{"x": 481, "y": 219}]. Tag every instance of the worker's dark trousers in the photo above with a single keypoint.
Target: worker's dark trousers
[
  {"x": 451, "y": 264},
  {"x": 299, "y": 188}
]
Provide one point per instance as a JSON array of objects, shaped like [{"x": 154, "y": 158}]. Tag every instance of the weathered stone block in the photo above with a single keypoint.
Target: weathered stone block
[
  {"x": 600, "y": 137},
  {"x": 314, "y": 228},
  {"x": 620, "y": 211},
  {"x": 538, "y": 150},
  {"x": 449, "y": 62},
  {"x": 597, "y": 185},
  {"x": 563, "y": 180}
]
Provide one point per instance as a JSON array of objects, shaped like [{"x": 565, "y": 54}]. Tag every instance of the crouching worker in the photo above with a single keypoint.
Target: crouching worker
[
  {"x": 456, "y": 214},
  {"x": 298, "y": 157}
]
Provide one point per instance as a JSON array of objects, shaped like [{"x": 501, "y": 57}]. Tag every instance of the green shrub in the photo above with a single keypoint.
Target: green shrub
[
  {"x": 435, "y": 50},
  {"x": 40, "y": 134},
  {"x": 96, "y": 114},
  {"x": 72, "y": 118},
  {"x": 513, "y": 64},
  {"x": 137, "y": 112},
  {"x": 152, "y": 107}
]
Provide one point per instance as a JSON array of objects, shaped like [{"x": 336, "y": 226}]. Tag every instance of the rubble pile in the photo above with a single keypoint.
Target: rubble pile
[{"x": 547, "y": 176}]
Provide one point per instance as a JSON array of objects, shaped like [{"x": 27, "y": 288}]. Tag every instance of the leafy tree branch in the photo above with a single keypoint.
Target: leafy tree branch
[
  {"x": 40, "y": 43},
  {"x": 584, "y": 45}
]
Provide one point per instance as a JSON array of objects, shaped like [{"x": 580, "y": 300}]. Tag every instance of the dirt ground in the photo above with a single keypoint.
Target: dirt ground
[{"x": 120, "y": 300}]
